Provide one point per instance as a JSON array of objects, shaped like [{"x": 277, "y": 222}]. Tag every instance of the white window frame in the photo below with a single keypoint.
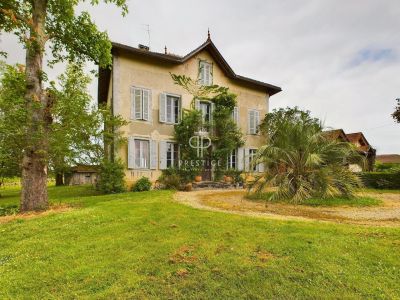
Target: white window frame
[
  {"x": 251, "y": 157},
  {"x": 253, "y": 121},
  {"x": 205, "y": 72},
  {"x": 146, "y": 164},
  {"x": 234, "y": 154},
  {"x": 173, "y": 114},
  {"x": 174, "y": 160},
  {"x": 142, "y": 116}
]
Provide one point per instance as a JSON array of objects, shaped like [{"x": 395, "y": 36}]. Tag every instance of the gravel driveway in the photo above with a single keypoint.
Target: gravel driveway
[{"x": 234, "y": 201}]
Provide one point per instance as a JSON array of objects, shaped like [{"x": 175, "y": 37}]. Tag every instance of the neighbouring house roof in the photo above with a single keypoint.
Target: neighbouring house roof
[
  {"x": 84, "y": 169},
  {"x": 360, "y": 141},
  {"x": 104, "y": 74},
  {"x": 388, "y": 158},
  {"x": 337, "y": 134},
  {"x": 356, "y": 138}
]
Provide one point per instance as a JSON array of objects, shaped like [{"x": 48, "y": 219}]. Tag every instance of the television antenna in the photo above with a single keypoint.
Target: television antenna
[{"x": 147, "y": 29}]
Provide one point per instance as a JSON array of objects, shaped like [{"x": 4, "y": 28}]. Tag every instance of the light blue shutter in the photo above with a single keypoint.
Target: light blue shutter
[
  {"x": 138, "y": 104},
  {"x": 206, "y": 74},
  {"x": 250, "y": 121},
  {"x": 150, "y": 109},
  {"x": 202, "y": 73},
  {"x": 169, "y": 110},
  {"x": 131, "y": 153},
  {"x": 256, "y": 121},
  {"x": 153, "y": 154},
  {"x": 162, "y": 105},
  {"x": 163, "y": 155},
  {"x": 145, "y": 104},
  {"x": 240, "y": 159},
  {"x": 236, "y": 115},
  {"x": 246, "y": 159}
]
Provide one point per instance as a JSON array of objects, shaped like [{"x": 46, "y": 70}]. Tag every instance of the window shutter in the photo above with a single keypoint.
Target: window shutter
[
  {"x": 150, "y": 107},
  {"x": 206, "y": 74},
  {"x": 153, "y": 155},
  {"x": 202, "y": 72},
  {"x": 256, "y": 121},
  {"x": 169, "y": 110},
  {"x": 131, "y": 153},
  {"x": 145, "y": 105},
  {"x": 212, "y": 112},
  {"x": 138, "y": 104},
  {"x": 197, "y": 104},
  {"x": 236, "y": 115},
  {"x": 250, "y": 122},
  {"x": 246, "y": 159},
  {"x": 210, "y": 82},
  {"x": 261, "y": 167},
  {"x": 240, "y": 159},
  {"x": 162, "y": 107},
  {"x": 180, "y": 110},
  {"x": 132, "y": 104},
  {"x": 163, "y": 155}
]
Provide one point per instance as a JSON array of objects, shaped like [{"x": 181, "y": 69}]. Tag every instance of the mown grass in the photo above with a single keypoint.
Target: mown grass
[
  {"x": 359, "y": 201},
  {"x": 145, "y": 246}
]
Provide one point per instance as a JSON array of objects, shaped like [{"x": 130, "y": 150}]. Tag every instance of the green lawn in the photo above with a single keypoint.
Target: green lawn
[
  {"x": 336, "y": 201},
  {"x": 143, "y": 245}
]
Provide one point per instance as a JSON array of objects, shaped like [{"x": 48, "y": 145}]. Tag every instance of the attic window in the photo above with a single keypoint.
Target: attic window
[{"x": 206, "y": 74}]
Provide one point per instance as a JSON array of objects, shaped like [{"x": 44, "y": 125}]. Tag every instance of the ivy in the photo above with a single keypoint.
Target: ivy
[{"x": 224, "y": 134}]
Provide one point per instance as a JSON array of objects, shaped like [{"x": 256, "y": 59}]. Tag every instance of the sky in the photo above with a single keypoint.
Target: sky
[{"x": 338, "y": 59}]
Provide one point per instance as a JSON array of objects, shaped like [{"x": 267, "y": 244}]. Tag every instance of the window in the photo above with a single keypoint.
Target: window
[
  {"x": 172, "y": 155},
  {"x": 141, "y": 104},
  {"x": 205, "y": 70},
  {"x": 254, "y": 121},
  {"x": 142, "y": 151},
  {"x": 173, "y": 109},
  {"x": 232, "y": 160},
  {"x": 205, "y": 109},
  {"x": 252, "y": 154},
  {"x": 170, "y": 108}
]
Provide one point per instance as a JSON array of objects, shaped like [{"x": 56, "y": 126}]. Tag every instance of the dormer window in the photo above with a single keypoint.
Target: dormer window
[{"x": 206, "y": 74}]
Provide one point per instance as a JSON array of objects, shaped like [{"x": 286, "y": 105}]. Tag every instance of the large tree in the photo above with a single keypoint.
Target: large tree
[{"x": 52, "y": 24}]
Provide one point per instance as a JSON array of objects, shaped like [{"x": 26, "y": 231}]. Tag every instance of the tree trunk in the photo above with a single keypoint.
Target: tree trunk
[
  {"x": 59, "y": 179},
  {"x": 34, "y": 163}
]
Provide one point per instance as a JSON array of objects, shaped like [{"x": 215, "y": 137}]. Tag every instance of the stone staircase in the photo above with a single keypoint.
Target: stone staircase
[{"x": 214, "y": 185}]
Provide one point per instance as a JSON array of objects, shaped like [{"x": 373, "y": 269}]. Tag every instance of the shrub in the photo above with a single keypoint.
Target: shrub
[
  {"x": 387, "y": 167},
  {"x": 381, "y": 180},
  {"x": 170, "y": 179},
  {"x": 111, "y": 177},
  {"x": 143, "y": 184}
]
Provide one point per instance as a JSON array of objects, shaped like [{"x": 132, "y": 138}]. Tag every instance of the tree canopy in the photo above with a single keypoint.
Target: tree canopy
[
  {"x": 396, "y": 114},
  {"x": 70, "y": 35}
]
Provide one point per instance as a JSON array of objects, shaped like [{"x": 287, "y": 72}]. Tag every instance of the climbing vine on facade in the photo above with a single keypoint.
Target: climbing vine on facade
[{"x": 221, "y": 126}]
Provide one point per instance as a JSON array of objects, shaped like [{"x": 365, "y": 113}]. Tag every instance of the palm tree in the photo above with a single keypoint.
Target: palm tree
[{"x": 301, "y": 161}]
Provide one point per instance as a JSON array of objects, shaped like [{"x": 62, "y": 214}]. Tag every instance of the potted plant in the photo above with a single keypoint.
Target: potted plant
[
  {"x": 198, "y": 178},
  {"x": 228, "y": 179}
]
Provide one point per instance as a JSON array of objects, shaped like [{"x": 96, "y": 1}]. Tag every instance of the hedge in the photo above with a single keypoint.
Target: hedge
[{"x": 381, "y": 180}]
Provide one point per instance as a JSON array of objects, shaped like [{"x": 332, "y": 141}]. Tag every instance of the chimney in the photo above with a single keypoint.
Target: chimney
[{"x": 143, "y": 47}]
